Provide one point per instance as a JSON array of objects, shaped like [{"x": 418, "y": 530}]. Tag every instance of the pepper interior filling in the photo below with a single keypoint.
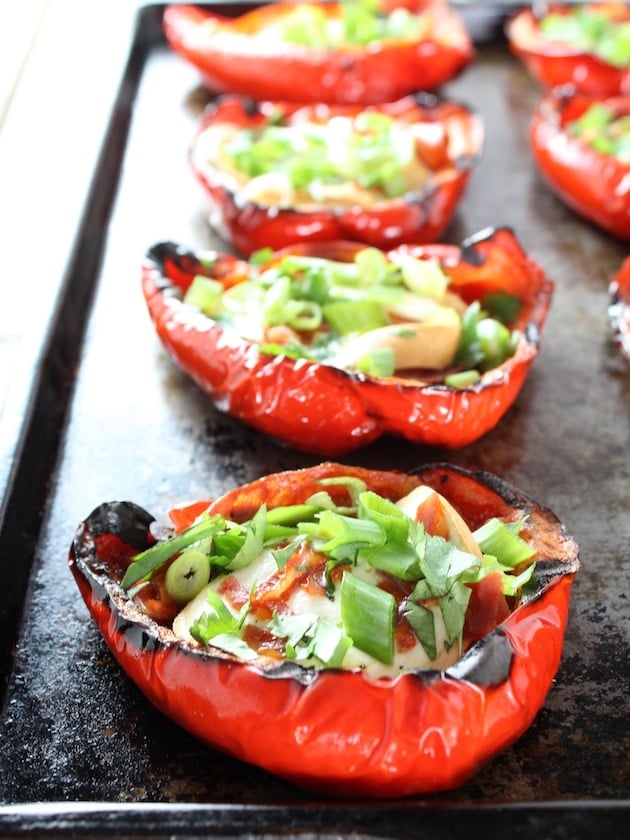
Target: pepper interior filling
[
  {"x": 378, "y": 316},
  {"x": 374, "y": 585}
]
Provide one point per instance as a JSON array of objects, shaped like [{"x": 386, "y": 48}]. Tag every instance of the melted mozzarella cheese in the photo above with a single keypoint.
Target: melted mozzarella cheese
[{"x": 302, "y": 600}]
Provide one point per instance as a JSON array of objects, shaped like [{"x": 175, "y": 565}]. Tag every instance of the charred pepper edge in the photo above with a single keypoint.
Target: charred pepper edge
[
  {"x": 558, "y": 169},
  {"x": 452, "y": 55},
  {"x": 545, "y": 63},
  {"x": 486, "y": 663},
  {"x": 159, "y": 255},
  {"x": 429, "y": 104},
  {"x": 362, "y": 419}
]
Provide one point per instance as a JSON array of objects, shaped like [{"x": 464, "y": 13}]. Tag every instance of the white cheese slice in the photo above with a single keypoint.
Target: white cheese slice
[{"x": 304, "y": 601}]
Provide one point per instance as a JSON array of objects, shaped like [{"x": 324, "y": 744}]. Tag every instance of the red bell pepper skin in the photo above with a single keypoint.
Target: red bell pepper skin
[
  {"x": 553, "y": 64},
  {"x": 595, "y": 185},
  {"x": 327, "y": 411},
  {"x": 619, "y": 308},
  {"x": 337, "y": 732},
  {"x": 419, "y": 217},
  {"x": 231, "y": 59}
]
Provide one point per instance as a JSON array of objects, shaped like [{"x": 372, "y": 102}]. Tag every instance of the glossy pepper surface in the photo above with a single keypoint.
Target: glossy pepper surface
[
  {"x": 340, "y": 732},
  {"x": 593, "y": 183},
  {"x": 554, "y": 63},
  {"x": 449, "y": 139},
  {"x": 326, "y": 410},
  {"x": 243, "y": 55}
]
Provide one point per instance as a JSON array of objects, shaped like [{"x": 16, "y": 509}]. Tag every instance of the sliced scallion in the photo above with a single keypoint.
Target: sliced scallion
[
  {"x": 379, "y": 362},
  {"x": 501, "y": 539},
  {"x": 205, "y": 294},
  {"x": 153, "y": 558},
  {"x": 291, "y": 514},
  {"x": 355, "y": 316},
  {"x": 187, "y": 575},
  {"x": 342, "y": 536},
  {"x": 354, "y": 486},
  {"x": 253, "y": 543},
  {"x": 462, "y": 379},
  {"x": 398, "y": 559},
  {"x": 367, "y": 613},
  {"x": 389, "y": 516},
  {"x": 423, "y": 277}
]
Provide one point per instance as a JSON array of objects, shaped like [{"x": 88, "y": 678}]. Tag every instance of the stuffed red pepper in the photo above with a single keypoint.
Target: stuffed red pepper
[
  {"x": 359, "y": 633},
  {"x": 350, "y": 52},
  {"x": 325, "y": 347},
  {"x": 581, "y": 145},
  {"x": 387, "y": 174},
  {"x": 586, "y": 45}
]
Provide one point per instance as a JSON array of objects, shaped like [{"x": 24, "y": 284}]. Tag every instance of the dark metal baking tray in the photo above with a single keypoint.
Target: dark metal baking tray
[{"x": 108, "y": 416}]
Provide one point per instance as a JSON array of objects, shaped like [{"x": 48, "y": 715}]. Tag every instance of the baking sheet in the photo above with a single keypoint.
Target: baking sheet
[{"x": 112, "y": 418}]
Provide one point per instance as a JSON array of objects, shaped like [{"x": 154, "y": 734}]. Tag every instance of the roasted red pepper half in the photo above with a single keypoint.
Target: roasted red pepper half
[
  {"x": 594, "y": 183},
  {"x": 252, "y": 55},
  {"x": 567, "y": 44},
  {"x": 279, "y": 207},
  {"x": 619, "y": 308},
  {"x": 328, "y": 410},
  {"x": 340, "y": 732}
]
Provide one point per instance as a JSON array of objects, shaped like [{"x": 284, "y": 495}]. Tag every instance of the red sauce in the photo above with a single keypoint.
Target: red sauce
[
  {"x": 233, "y": 591},
  {"x": 487, "y": 608},
  {"x": 305, "y": 569}
]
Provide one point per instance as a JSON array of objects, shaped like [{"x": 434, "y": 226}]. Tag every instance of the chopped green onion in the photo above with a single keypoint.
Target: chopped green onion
[
  {"x": 501, "y": 540},
  {"x": 393, "y": 521},
  {"x": 206, "y": 294},
  {"x": 253, "y": 543},
  {"x": 462, "y": 379},
  {"x": 398, "y": 559},
  {"x": 153, "y": 558},
  {"x": 379, "y": 362},
  {"x": 423, "y": 277},
  {"x": 494, "y": 341},
  {"x": 502, "y": 306},
  {"x": 485, "y": 343},
  {"x": 335, "y": 271},
  {"x": 292, "y": 514},
  {"x": 291, "y": 351},
  {"x": 354, "y": 486},
  {"x": 261, "y": 256},
  {"x": 330, "y": 644},
  {"x": 512, "y": 584},
  {"x": 367, "y": 613},
  {"x": 321, "y": 500},
  {"x": 590, "y": 30},
  {"x": 594, "y": 119},
  {"x": 374, "y": 267},
  {"x": 355, "y": 316},
  {"x": 187, "y": 575},
  {"x": 343, "y": 536}
]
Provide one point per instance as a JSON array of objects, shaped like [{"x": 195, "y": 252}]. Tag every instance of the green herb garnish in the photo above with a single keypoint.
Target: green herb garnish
[{"x": 365, "y": 544}]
